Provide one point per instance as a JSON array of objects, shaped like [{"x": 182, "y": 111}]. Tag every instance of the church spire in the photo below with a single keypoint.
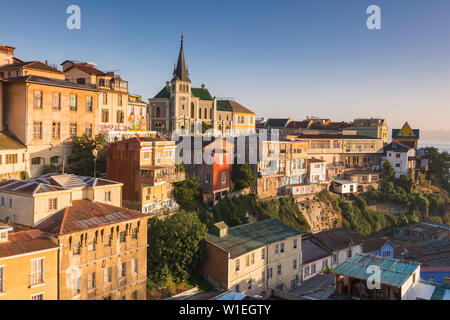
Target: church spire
[{"x": 181, "y": 73}]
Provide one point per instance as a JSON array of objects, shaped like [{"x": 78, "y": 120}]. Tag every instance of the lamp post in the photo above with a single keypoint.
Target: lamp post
[{"x": 95, "y": 153}]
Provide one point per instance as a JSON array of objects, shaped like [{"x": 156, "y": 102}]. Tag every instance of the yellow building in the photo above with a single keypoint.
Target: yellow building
[
  {"x": 407, "y": 136},
  {"x": 12, "y": 157},
  {"x": 103, "y": 251},
  {"x": 243, "y": 118},
  {"x": 113, "y": 98},
  {"x": 28, "y": 265}
]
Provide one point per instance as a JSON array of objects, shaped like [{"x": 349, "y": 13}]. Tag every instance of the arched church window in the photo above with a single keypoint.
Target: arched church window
[
  {"x": 199, "y": 113},
  {"x": 210, "y": 114},
  {"x": 192, "y": 110},
  {"x": 158, "y": 112},
  {"x": 206, "y": 113}
]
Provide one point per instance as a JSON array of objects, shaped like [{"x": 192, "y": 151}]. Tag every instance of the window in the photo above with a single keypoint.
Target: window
[
  {"x": 77, "y": 286},
  {"x": 294, "y": 264},
  {"x": 89, "y": 104},
  {"x": 276, "y": 248},
  {"x": 207, "y": 178},
  {"x": 158, "y": 112},
  {"x": 252, "y": 258},
  {"x": 91, "y": 244},
  {"x": 10, "y": 203},
  {"x": 349, "y": 253},
  {"x": 122, "y": 236},
  {"x": 236, "y": 265},
  {"x": 108, "y": 243},
  {"x": 81, "y": 81},
  {"x": 91, "y": 281},
  {"x": 263, "y": 253},
  {"x": 134, "y": 234},
  {"x": 56, "y": 101},
  {"x": 73, "y": 130},
  {"x": 105, "y": 98},
  {"x": 107, "y": 196},
  {"x": 120, "y": 100},
  {"x": 295, "y": 243},
  {"x": 397, "y": 155},
  {"x": 37, "y": 99},
  {"x": 237, "y": 288},
  {"x": 224, "y": 177},
  {"x": 387, "y": 253},
  {"x": 123, "y": 270},
  {"x": 88, "y": 130},
  {"x": 134, "y": 266},
  {"x": 313, "y": 268},
  {"x": 108, "y": 275},
  {"x": 39, "y": 296},
  {"x": 269, "y": 273},
  {"x": 147, "y": 155},
  {"x": 37, "y": 271},
  {"x": 334, "y": 258},
  {"x": 76, "y": 249},
  {"x": 282, "y": 247},
  {"x": 73, "y": 102},
  {"x": 52, "y": 204},
  {"x": 325, "y": 264},
  {"x": 120, "y": 117},
  {"x": 37, "y": 130},
  {"x": 36, "y": 161},
  {"x": 11, "y": 158},
  {"x": 247, "y": 260},
  {"x": 2, "y": 279},
  {"x": 250, "y": 284},
  {"x": 279, "y": 269},
  {"x": 56, "y": 130},
  {"x": 430, "y": 278},
  {"x": 105, "y": 115}
]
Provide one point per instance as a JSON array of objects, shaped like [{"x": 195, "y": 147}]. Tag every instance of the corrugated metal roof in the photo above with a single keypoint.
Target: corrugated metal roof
[
  {"x": 249, "y": 237},
  {"x": 394, "y": 272}
]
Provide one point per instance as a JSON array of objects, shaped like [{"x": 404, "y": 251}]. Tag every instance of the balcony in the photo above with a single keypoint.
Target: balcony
[
  {"x": 160, "y": 175},
  {"x": 161, "y": 207}
]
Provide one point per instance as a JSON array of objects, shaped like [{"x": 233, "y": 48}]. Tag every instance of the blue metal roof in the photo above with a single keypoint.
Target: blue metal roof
[{"x": 393, "y": 272}]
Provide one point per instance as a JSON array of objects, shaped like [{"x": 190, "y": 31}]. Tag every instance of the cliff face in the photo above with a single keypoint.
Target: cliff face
[{"x": 320, "y": 213}]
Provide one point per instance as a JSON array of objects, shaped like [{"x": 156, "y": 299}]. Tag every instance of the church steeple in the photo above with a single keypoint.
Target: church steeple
[{"x": 180, "y": 72}]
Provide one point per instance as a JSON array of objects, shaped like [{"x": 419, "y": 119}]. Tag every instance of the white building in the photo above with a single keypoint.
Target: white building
[
  {"x": 317, "y": 171},
  {"x": 400, "y": 157},
  {"x": 344, "y": 186}
]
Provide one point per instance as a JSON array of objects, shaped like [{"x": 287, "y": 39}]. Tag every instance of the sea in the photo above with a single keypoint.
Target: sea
[{"x": 437, "y": 139}]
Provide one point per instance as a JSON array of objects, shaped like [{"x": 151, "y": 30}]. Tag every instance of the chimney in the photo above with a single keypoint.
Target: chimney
[
  {"x": 6, "y": 54},
  {"x": 219, "y": 229}
]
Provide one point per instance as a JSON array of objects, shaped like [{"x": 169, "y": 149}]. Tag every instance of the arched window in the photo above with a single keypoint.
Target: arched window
[
  {"x": 199, "y": 113},
  {"x": 210, "y": 114},
  {"x": 192, "y": 110},
  {"x": 158, "y": 112},
  {"x": 206, "y": 113}
]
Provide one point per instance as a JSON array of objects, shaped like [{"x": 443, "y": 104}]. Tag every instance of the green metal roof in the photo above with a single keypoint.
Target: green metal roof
[
  {"x": 394, "y": 272},
  {"x": 248, "y": 237},
  {"x": 201, "y": 93}
]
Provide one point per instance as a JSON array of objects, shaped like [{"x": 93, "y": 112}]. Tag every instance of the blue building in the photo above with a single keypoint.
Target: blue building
[
  {"x": 435, "y": 273},
  {"x": 382, "y": 247}
]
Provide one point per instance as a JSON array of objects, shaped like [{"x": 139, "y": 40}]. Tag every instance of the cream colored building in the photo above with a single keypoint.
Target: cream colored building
[
  {"x": 113, "y": 99},
  {"x": 32, "y": 201},
  {"x": 13, "y": 158},
  {"x": 253, "y": 259}
]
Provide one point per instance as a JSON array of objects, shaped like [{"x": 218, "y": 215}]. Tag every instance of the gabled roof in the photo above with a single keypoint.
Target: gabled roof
[
  {"x": 85, "y": 214},
  {"x": 9, "y": 143},
  {"x": 299, "y": 124},
  {"x": 375, "y": 244},
  {"x": 340, "y": 238},
  {"x": 397, "y": 147},
  {"x": 273, "y": 122},
  {"x": 313, "y": 250},
  {"x": 87, "y": 68},
  {"x": 25, "y": 242},
  {"x": 32, "y": 65},
  {"x": 201, "y": 93},
  {"x": 28, "y": 187},
  {"x": 231, "y": 105},
  {"x": 248, "y": 237}
]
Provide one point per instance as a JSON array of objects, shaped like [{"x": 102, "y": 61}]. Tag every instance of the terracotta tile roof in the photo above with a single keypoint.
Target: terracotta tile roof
[
  {"x": 85, "y": 214},
  {"x": 51, "y": 82},
  {"x": 25, "y": 242},
  {"x": 87, "y": 69},
  {"x": 32, "y": 65}
]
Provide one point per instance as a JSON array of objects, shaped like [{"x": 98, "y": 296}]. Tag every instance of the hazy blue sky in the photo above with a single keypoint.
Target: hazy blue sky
[{"x": 279, "y": 58}]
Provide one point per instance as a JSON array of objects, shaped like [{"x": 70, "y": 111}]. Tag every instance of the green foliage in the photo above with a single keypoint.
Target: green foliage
[
  {"x": 233, "y": 211},
  {"x": 81, "y": 161},
  {"x": 23, "y": 175},
  {"x": 175, "y": 249},
  {"x": 206, "y": 127},
  {"x": 388, "y": 171},
  {"x": 49, "y": 168},
  {"x": 242, "y": 176},
  {"x": 439, "y": 167},
  {"x": 186, "y": 191},
  {"x": 286, "y": 210}
]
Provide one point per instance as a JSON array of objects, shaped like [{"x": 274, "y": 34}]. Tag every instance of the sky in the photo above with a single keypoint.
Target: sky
[{"x": 278, "y": 58}]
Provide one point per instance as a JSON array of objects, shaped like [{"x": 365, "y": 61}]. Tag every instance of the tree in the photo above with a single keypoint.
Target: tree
[
  {"x": 388, "y": 171},
  {"x": 206, "y": 127},
  {"x": 81, "y": 161},
  {"x": 174, "y": 246},
  {"x": 243, "y": 176},
  {"x": 187, "y": 190}
]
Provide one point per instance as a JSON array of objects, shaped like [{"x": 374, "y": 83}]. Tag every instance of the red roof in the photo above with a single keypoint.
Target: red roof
[
  {"x": 435, "y": 269},
  {"x": 88, "y": 69},
  {"x": 85, "y": 214},
  {"x": 25, "y": 242}
]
